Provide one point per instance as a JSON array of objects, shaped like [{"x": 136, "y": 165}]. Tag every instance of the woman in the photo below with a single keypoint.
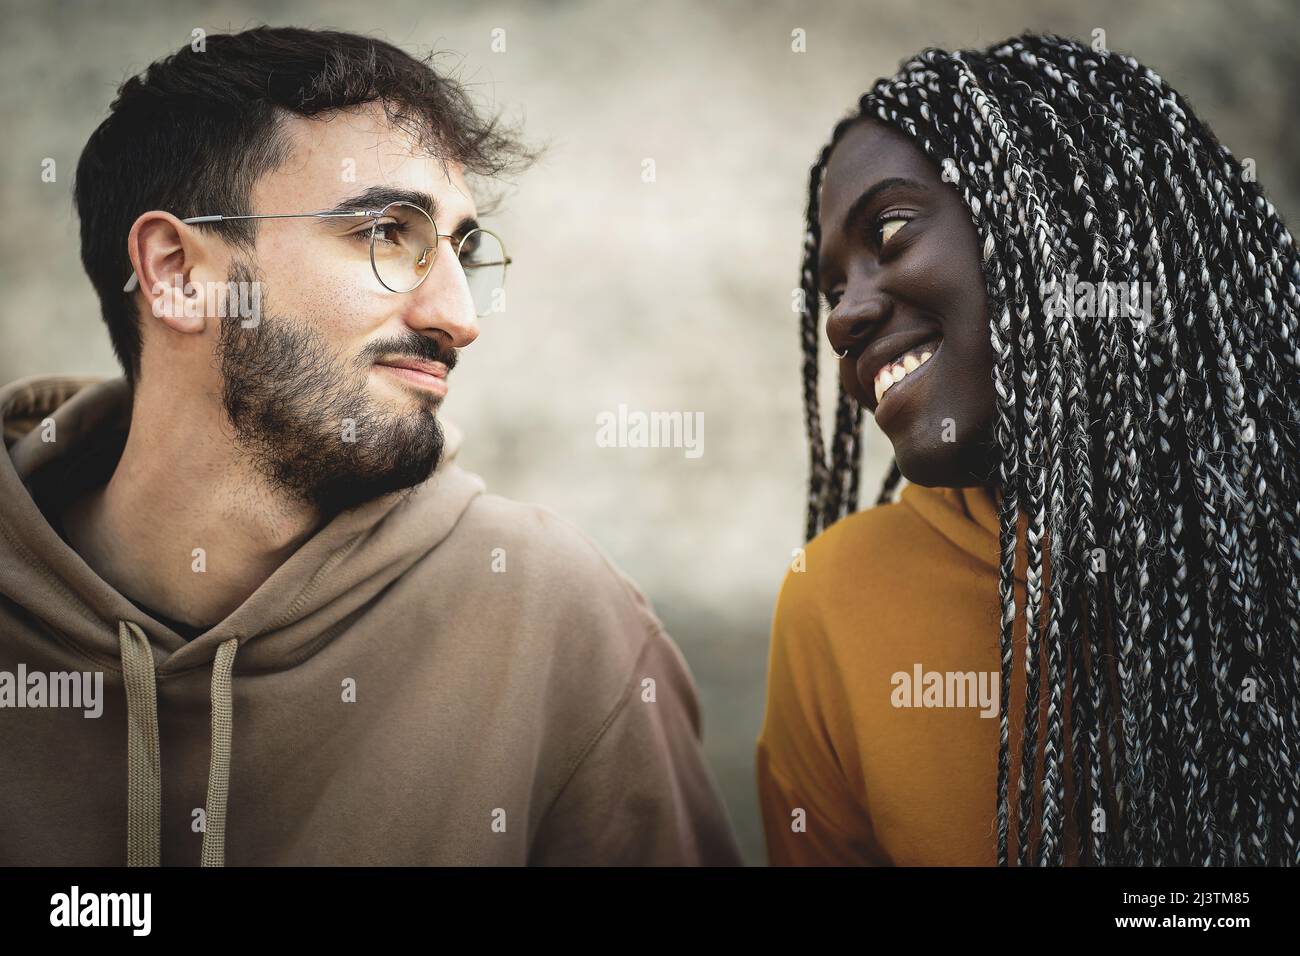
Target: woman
[{"x": 1075, "y": 638}]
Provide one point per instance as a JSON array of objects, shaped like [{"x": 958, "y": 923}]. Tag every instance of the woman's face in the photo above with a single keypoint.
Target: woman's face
[{"x": 900, "y": 267}]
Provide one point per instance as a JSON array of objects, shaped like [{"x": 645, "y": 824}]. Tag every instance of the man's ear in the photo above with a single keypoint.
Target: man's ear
[{"x": 164, "y": 252}]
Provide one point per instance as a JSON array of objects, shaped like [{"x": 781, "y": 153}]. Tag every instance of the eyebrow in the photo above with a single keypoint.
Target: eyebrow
[
  {"x": 861, "y": 203},
  {"x": 377, "y": 197},
  {"x": 865, "y": 199}
]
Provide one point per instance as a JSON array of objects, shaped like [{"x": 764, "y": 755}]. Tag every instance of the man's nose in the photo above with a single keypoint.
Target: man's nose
[
  {"x": 443, "y": 300},
  {"x": 855, "y": 320}
]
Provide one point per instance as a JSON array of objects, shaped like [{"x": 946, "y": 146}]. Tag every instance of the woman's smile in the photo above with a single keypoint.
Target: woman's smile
[{"x": 901, "y": 383}]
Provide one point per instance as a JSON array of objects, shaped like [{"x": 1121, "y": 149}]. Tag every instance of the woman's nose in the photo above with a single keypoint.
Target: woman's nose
[{"x": 854, "y": 322}]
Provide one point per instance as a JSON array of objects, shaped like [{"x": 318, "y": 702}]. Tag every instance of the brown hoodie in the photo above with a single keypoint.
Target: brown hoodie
[{"x": 392, "y": 694}]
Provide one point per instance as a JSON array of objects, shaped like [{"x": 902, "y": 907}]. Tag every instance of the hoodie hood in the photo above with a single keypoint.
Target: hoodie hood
[{"x": 62, "y": 432}]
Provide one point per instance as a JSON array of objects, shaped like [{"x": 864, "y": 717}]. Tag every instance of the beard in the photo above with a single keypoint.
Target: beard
[{"x": 307, "y": 419}]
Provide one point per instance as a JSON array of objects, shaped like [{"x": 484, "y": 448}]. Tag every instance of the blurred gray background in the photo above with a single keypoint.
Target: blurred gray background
[{"x": 666, "y": 296}]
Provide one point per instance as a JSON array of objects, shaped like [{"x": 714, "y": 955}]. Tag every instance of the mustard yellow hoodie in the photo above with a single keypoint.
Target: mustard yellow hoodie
[{"x": 894, "y": 612}]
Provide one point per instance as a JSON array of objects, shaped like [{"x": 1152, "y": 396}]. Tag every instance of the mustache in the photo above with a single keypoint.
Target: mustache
[{"x": 414, "y": 346}]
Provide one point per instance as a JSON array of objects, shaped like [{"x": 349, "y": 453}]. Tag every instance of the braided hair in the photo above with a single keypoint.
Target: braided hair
[{"x": 1167, "y": 443}]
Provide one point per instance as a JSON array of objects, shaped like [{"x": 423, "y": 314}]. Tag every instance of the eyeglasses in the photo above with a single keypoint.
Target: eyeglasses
[{"x": 403, "y": 246}]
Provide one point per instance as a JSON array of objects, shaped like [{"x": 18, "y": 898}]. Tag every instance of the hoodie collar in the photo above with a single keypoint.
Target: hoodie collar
[{"x": 968, "y": 517}]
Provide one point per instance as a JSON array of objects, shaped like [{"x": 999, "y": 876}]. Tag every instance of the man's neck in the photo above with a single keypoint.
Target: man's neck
[{"x": 185, "y": 524}]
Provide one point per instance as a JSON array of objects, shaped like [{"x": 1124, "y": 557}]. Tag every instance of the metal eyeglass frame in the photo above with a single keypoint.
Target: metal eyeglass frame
[{"x": 375, "y": 214}]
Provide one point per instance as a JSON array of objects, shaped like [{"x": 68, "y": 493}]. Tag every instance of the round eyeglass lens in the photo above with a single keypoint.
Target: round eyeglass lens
[
  {"x": 483, "y": 257},
  {"x": 403, "y": 243}
]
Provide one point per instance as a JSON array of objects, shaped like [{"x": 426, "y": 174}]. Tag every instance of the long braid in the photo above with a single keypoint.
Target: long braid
[
  {"x": 1117, "y": 148},
  {"x": 1070, "y": 169},
  {"x": 1219, "y": 196},
  {"x": 810, "y": 307},
  {"x": 1156, "y": 456},
  {"x": 1037, "y": 238},
  {"x": 1243, "y": 578},
  {"x": 890, "y": 483},
  {"x": 1184, "y": 615},
  {"x": 1061, "y": 337}
]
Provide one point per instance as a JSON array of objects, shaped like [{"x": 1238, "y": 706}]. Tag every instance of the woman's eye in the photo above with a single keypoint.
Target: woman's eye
[{"x": 886, "y": 226}]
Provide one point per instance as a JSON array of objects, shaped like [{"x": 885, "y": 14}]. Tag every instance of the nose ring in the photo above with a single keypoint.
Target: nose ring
[{"x": 840, "y": 355}]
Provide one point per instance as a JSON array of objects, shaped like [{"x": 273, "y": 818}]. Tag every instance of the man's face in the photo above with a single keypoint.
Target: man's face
[
  {"x": 900, "y": 265},
  {"x": 312, "y": 391}
]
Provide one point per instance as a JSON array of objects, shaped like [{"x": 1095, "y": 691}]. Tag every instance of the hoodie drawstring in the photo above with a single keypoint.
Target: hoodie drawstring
[
  {"x": 143, "y": 773},
  {"x": 223, "y": 716},
  {"x": 144, "y": 755}
]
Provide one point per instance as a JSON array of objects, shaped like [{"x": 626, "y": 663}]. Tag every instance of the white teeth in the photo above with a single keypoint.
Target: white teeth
[
  {"x": 894, "y": 372},
  {"x": 883, "y": 380}
]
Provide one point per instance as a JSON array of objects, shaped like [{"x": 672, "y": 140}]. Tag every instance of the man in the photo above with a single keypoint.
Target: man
[{"x": 251, "y": 610}]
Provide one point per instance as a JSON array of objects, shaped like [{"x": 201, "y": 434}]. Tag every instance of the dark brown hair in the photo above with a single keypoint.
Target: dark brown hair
[{"x": 194, "y": 131}]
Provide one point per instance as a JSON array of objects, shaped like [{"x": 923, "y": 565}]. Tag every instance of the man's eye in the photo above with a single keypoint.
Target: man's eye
[
  {"x": 470, "y": 248},
  {"x": 385, "y": 232}
]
